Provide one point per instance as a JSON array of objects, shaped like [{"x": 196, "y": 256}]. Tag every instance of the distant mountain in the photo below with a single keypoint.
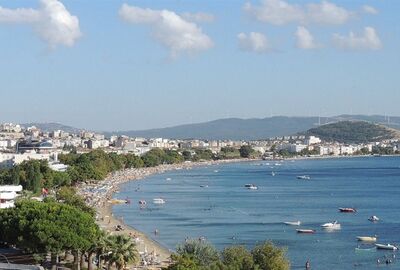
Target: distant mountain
[
  {"x": 236, "y": 128},
  {"x": 252, "y": 129},
  {"x": 49, "y": 127},
  {"x": 354, "y": 132}
]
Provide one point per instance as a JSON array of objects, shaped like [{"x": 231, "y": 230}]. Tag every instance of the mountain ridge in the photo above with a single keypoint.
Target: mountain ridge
[{"x": 237, "y": 128}]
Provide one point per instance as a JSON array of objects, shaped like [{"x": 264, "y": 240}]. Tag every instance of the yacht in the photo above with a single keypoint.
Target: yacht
[
  {"x": 331, "y": 225},
  {"x": 251, "y": 186},
  {"x": 158, "y": 201},
  {"x": 292, "y": 223},
  {"x": 304, "y": 177},
  {"x": 373, "y": 218}
]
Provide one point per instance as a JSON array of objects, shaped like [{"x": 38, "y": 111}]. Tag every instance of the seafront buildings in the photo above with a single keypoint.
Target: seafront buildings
[{"x": 18, "y": 144}]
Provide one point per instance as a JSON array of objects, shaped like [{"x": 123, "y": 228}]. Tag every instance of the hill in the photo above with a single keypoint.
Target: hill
[
  {"x": 252, "y": 129},
  {"x": 353, "y": 132},
  {"x": 49, "y": 127}
]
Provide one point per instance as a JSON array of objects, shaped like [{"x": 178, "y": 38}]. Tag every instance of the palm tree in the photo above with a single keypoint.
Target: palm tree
[{"x": 123, "y": 251}]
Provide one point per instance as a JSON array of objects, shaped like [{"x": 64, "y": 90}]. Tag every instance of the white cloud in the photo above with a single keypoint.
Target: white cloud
[
  {"x": 254, "y": 42},
  {"x": 369, "y": 10},
  {"x": 327, "y": 13},
  {"x": 369, "y": 40},
  {"x": 200, "y": 17},
  {"x": 52, "y": 22},
  {"x": 275, "y": 12},
  {"x": 168, "y": 28},
  {"x": 304, "y": 39},
  {"x": 280, "y": 12}
]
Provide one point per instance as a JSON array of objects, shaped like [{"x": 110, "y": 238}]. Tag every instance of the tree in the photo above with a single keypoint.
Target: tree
[
  {"x": 203, "y": 253},
  {"x": 123, "y": 251},
  {"x": 37, "y": 227},
  {"x": 269, "y": 257},
  {"x": 246, "y": 151},
  {"x": 237, "y": 258}
]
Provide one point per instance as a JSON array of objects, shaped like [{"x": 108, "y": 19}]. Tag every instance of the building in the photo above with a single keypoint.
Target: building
[
  {"x": 312, "y": 140},
  {"x": 8, "y": 194}
]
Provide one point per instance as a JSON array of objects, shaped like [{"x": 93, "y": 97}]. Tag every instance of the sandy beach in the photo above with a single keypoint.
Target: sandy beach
[{"x": 98, "y": 194}]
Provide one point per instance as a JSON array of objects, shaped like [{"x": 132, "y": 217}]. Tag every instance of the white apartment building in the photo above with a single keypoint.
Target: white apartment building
[
  {"x": 8, "y": 160},
  {"x": 312, "y": 140},
  {"x": 8, "y": 194}
]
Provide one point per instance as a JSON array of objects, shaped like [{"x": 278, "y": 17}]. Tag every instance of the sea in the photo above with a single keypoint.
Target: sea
[{"x": 212, "y": 203}]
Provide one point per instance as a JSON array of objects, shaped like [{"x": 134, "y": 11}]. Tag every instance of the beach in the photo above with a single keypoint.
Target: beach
[{"x": 98, "y": 194}]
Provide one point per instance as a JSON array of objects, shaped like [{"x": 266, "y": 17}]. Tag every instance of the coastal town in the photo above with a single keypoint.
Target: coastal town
[{"x": 18, "y": 144}]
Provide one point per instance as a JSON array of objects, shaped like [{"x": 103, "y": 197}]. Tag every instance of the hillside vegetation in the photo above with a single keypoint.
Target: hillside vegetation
[{"x": 353, "y": 132}]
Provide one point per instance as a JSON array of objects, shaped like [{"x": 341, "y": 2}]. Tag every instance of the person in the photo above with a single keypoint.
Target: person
[
  {"x": 308, "y": 265},
  {"x": 156, "y": 232}
]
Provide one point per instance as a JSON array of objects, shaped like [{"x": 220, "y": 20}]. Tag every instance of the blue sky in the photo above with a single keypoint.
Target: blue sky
[{"x": 118, "y": 65}]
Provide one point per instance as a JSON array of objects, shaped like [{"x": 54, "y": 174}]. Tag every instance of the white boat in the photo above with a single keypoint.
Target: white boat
[
  {"x": 204, "y": 186},
  {"x": 273, "y": 173},
  {"x": 292, "y": 223},
  {"x": 373, "y": 218},
  {"x": 158, "y": 201},
  {"x": 168, "y": 179},
  {"x": 366, "y": 238},
  {"x": 387, "y": 246},
  {"x": 304, "y": 177},
  {"x": 252, "y": 187},
  {"x": 331, "y": 225}
]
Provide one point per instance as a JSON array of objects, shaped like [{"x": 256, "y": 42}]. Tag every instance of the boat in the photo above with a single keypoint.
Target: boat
[
  {"x": 373, "y": 218},
  {"x": 359, "y": 249},
  {"x": 216, "y": 171},
  {"x": 253, "y": 187},
  {"x": 305, "y": 231},
  {"x": 168, "y": 179},
  {"x": 292, "y": 223},
  {"x": 304, "y": 177},
  {"x": 331, "y": 225},
  {"x": 347, "y": 210},
  {"x": 273, "y": 173},
  {"x": 366, "y": 238},
  {"x": 386, "y": 247},
  {"x": 158, "y": 201},
  {"x": 203, "y": 186}
]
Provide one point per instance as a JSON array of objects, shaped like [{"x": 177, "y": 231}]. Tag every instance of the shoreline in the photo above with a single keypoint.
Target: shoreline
[{"x": 99, "y": 196}]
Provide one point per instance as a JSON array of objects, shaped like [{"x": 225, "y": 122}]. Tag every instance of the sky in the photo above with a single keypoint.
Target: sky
[{"x": 128, "y": 65}]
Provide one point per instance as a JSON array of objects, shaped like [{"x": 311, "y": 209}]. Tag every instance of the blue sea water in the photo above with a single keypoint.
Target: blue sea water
[{"x": 226, "y": 213}]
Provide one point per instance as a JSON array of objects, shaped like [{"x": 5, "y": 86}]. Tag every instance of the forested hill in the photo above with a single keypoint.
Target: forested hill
[{"x": 353, "y": 132}]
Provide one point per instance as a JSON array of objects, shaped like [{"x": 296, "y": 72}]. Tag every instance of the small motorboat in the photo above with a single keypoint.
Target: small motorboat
[
  {"x": 331, "y": 225},
  {"x": 292, "y": 223},
  {"x": 305, "y": 231},
  {"x": 168, "y": 179},
  {"x": 347, "y": 210},
  {"x": 304, "y": 177},
  {"x": 273, "y": 173},
  {"x": 366, "y": 238},
  {"x": 158, "y": 201},
  {"x": 251, "y": 186},
  {"x": 204, "y": 186},
  {"x": 373, "y": 218},
  {"x": 386, "y": 247}
]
